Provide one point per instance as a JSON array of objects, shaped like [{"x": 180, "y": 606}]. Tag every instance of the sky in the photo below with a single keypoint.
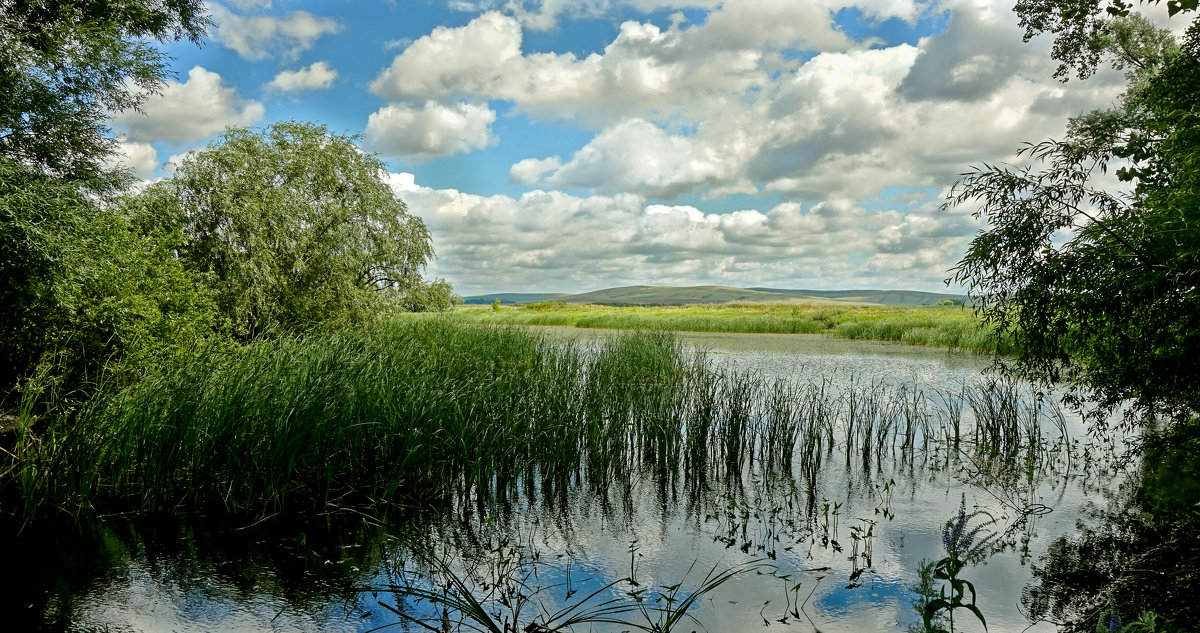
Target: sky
[{"x": 568, "y": 146}]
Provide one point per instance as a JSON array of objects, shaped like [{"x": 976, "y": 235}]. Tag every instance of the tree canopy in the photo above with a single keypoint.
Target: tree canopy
[
  {"x": 1091, "y": 259},
  {"x": 295, "y": 225},
  {"x": 81, "y": 283},
  {"x": 66, "y": 66}
]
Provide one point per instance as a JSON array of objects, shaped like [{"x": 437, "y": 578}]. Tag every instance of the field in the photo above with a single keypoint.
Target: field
[{"x": 951, "y": 327}]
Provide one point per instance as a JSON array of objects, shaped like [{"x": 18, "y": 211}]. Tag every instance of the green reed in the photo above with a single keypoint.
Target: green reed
[
  {"x": 422, "y": 411},
  {"x": 948, "y": 327}
]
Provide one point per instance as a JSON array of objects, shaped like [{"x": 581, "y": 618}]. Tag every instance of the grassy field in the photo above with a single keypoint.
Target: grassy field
[{"x": 952, "y": 327}]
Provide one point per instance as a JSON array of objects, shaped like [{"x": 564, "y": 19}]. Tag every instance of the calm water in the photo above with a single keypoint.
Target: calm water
[{"x": 837, "y": 554}]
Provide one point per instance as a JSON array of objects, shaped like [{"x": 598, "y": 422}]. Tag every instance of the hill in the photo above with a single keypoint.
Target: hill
[
  {"x": 691, "y": 295},
  {"x": 515, "y": 297}
]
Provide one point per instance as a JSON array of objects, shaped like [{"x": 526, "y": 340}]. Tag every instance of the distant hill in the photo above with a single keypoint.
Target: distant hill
[
  {"x": 876, "y": 297},
  {"x": 690, "y": 295},
  {"x": 514, "y": 297}
]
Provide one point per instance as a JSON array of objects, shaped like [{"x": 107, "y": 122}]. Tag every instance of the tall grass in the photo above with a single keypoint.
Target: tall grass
[
  {"x": 948, "y": 327},
  {"x": 421, "y": 411}
]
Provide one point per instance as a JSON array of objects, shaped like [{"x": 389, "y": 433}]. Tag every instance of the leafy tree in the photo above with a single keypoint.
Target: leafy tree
[
  {"x": 79, "y": 283},
  {"x": 82, "y": 285},
  {"x": 1098, "y": 283},
  {"x": 1081, "y": 28},
  {"x": 295, "y": 225},
  {"x": 65, "y": 66},
  {"x": 1091, "y": 261}
]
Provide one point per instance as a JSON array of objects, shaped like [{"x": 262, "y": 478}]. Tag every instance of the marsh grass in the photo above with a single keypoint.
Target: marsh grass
[
  {"x": 418, "y": 412},
  {"x": 937, "y": 326}
]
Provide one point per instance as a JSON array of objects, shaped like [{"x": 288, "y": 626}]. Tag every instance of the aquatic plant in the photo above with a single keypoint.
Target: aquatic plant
[
  {"x": 949, "y": 327},
  {"x": 960, "y": 542},
  {"x": 516, "y": 590},
  {"x": 425, "y": 410}
]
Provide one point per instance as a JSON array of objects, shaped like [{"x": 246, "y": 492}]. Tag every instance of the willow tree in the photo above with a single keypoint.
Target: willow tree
[
  {"x": 67, "y": 66},
  {"x": 1099, "y": 280},
  {"x": 295, "y": 225},
  {"x": 77, "y": 287}
]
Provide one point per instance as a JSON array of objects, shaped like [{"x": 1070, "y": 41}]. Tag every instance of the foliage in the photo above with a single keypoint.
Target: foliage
[
  {"x": 411, "y": 410},
  {"x": 925, "y": 591},
  {"x": 80, "y": 283},
  {"x": 1136, "y": 556},
  {"x": 1129, "y": 560},
  {"x": 1081, "y": 28},
  {"x": 962, "y": 547},
  {"x": 295, "y": 225},
  {"x": 65, "y": 67},
  {"x": 1096, "y": 286},
  {"x": 84, "y": 284}
]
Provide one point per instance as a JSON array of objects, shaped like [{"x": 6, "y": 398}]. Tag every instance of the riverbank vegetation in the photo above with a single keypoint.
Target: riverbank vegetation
[
  {"x": 416, "y": 411},
  {"x": 1111, "y": 312},
  {"x": 951, "y": 327}
]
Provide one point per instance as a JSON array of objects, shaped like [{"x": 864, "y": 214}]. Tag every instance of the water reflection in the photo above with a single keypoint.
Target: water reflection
[{"x": 834, "y": 528}]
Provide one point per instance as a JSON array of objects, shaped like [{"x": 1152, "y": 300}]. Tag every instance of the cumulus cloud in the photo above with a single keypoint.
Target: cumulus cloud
[
  {"x": 316, "y": 76},
  {"x": 717, "y": 107},
  {"x": 195, "y": 109},
  {"x": 256, "y": 37},
  {"x": 546, "y": 14},
  {"x": 645, "y": 69},
  {"x": 431, "y": 130},
  {"x": 969, "y": 61},
  {"x": 140, "y": 158},
  {"x": 530, "y": 170},
  {"x": 453, "y": 61},
  {"x": 636, "y": 155},
  {"x": 543, "y": 15},
  {"x": 553, "y": 240}
]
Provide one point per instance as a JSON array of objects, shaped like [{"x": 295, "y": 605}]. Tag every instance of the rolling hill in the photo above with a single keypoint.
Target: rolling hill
[{"x": 688, "y": 295}]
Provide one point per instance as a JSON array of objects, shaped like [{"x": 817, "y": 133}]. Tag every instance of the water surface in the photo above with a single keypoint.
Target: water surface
[{"x": 836, "y": 552}]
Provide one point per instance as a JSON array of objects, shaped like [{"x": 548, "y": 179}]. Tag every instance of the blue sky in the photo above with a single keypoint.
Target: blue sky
[{"x": 569, "y": 146}]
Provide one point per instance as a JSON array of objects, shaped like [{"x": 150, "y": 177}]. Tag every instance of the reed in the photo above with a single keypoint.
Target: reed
[
  {"x": 949, "y": 327},
  {"x": 423, "y": 411}
]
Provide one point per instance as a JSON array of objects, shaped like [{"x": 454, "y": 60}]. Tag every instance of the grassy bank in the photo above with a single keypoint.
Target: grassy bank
[
  {"x": 417, "y": 410},
  {"x": 952, "y": 327}
]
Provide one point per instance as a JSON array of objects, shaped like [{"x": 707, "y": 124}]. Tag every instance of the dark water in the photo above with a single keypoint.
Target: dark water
[{"x": 837, "y": 553}]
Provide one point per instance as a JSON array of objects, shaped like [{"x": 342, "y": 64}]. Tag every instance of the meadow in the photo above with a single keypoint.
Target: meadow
[{"x": 951, "y": 327}]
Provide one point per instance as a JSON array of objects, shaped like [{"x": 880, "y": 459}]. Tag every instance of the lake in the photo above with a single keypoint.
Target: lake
[{"x": 830, "y": 545}]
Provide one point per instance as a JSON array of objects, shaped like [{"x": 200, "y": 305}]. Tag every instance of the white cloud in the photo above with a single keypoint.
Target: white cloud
[
  {"x": 432, "y": 130},
  {"x": 554, "y": 241},
  {"x": 717, "y": 107},
  {"x": 530, "y": 170},
  {"x": 643, "y": 71},
  {"x": 636, "y": 155},
  {"x": 969, "y": 61},
  {"x": 843, "y": 123},
  {"x": 543, "y": 15},
  {"x": 256, "y": 37},
  {"x": 453, "y": 61},
  {"x": 141, "y": 158},
  {"x": 195, "y": 109},
  {"x": 316, "y": 76}
]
